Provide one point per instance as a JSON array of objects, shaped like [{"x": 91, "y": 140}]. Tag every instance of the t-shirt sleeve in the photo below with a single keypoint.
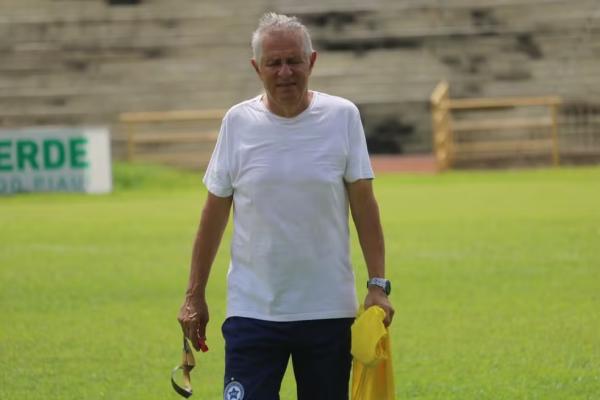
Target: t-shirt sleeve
[
  {"x": 358, "y": 165},
  {"x": 217, "y": 178}
]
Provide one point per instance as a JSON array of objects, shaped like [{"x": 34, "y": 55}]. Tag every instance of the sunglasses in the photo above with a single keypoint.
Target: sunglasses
[{"x": 187, "y": 364}]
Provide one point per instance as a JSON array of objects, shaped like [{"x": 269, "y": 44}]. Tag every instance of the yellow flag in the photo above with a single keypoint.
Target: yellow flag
[{"x": 372, "y": 373}]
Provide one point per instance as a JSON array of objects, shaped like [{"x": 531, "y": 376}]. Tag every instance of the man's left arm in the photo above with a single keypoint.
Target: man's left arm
[{"x": 365, "y": 214}]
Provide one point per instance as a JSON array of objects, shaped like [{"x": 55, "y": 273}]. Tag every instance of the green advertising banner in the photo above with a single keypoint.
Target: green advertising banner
[{"x": 55, "y": 160}]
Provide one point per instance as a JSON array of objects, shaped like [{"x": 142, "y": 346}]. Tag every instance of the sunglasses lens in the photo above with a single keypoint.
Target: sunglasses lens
[{"x": 180, "y": 383}]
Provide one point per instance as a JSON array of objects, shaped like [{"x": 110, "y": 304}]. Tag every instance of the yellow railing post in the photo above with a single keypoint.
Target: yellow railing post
[{"x": 441, "y": 126}]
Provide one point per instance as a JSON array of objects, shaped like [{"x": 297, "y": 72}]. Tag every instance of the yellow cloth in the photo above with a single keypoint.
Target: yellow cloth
[{"x": 372, "y": 373}]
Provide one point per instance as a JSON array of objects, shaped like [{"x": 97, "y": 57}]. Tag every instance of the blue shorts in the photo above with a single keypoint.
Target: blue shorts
[{"x": 257, "y": 354}]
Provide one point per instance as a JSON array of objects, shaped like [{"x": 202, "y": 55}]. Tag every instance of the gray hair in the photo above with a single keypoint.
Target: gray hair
[{"x": 271, "y": 22}]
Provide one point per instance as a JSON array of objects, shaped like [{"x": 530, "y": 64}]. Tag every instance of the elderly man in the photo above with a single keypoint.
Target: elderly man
[{"x": 290, "y": 161}]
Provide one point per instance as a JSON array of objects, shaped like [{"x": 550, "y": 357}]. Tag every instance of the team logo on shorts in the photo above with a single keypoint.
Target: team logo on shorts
[{"x": 234, "y": 391}]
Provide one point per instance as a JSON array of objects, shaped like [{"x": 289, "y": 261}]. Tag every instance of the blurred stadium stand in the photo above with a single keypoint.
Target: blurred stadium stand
[{"x": 87, "y": 61}]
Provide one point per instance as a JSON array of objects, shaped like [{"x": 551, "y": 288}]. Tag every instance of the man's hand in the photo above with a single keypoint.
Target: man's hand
[
  {"x": 193, "y": 317},
  {"x": 377, "y": 297}
]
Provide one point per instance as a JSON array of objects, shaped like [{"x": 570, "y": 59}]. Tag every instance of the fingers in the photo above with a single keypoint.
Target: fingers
[
  {"x": 389, "y": 313},
  {"x": 193, "y": 324},
  {"x": 389, "y": 316},
  {"x": 199, "y": 339},
  {"x": 195, "y": 331},
  {"x": 376, "y": 298},
  {"x": 191, "y": 331},
  {"x": 202, "y": 345}
]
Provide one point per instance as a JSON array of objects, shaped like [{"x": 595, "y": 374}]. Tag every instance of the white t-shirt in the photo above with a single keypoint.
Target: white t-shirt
[{"x": 290, "y": 256}]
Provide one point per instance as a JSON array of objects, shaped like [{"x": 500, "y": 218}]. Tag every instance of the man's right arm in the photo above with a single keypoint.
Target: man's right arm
[{"x": 193, "y": 315}]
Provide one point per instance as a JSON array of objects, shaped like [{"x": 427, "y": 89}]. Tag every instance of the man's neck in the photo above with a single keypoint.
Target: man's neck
[{"x": 288, "y": 111}]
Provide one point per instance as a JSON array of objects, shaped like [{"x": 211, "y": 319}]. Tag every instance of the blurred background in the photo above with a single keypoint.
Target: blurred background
[{"x": 86, "y": 62}]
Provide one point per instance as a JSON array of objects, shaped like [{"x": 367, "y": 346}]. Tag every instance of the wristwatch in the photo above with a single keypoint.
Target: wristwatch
[{"x": 383, "y": 283}]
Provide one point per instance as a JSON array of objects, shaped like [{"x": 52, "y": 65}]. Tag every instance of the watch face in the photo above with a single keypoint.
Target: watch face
[{"x": 388, "y": 287}]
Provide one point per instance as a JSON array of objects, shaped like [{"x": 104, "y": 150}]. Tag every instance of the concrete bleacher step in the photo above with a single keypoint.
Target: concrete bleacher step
[
  {"x": 77, "y": 9},
  {"x": 74, "y": 61},
  {"x": 128, "y": 34}
]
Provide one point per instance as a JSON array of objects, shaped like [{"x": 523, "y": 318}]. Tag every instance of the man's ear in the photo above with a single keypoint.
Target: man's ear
[
  {"x": 255, "y": 65},
  {"x": 313, "y": 58}
]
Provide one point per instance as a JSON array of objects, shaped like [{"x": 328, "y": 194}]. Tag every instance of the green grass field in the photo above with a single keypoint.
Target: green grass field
[{"x": 496, "y": 287}]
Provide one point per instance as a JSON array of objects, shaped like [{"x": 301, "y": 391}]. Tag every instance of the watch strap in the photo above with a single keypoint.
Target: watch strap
[{"x": 383, "y": 283}]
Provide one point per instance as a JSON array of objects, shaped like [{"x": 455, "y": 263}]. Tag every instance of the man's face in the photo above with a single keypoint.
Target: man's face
[{"x": 284, "y": 67}]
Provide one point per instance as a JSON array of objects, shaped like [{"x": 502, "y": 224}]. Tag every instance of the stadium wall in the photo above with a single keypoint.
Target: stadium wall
[{"x": 70, "y": 62}]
